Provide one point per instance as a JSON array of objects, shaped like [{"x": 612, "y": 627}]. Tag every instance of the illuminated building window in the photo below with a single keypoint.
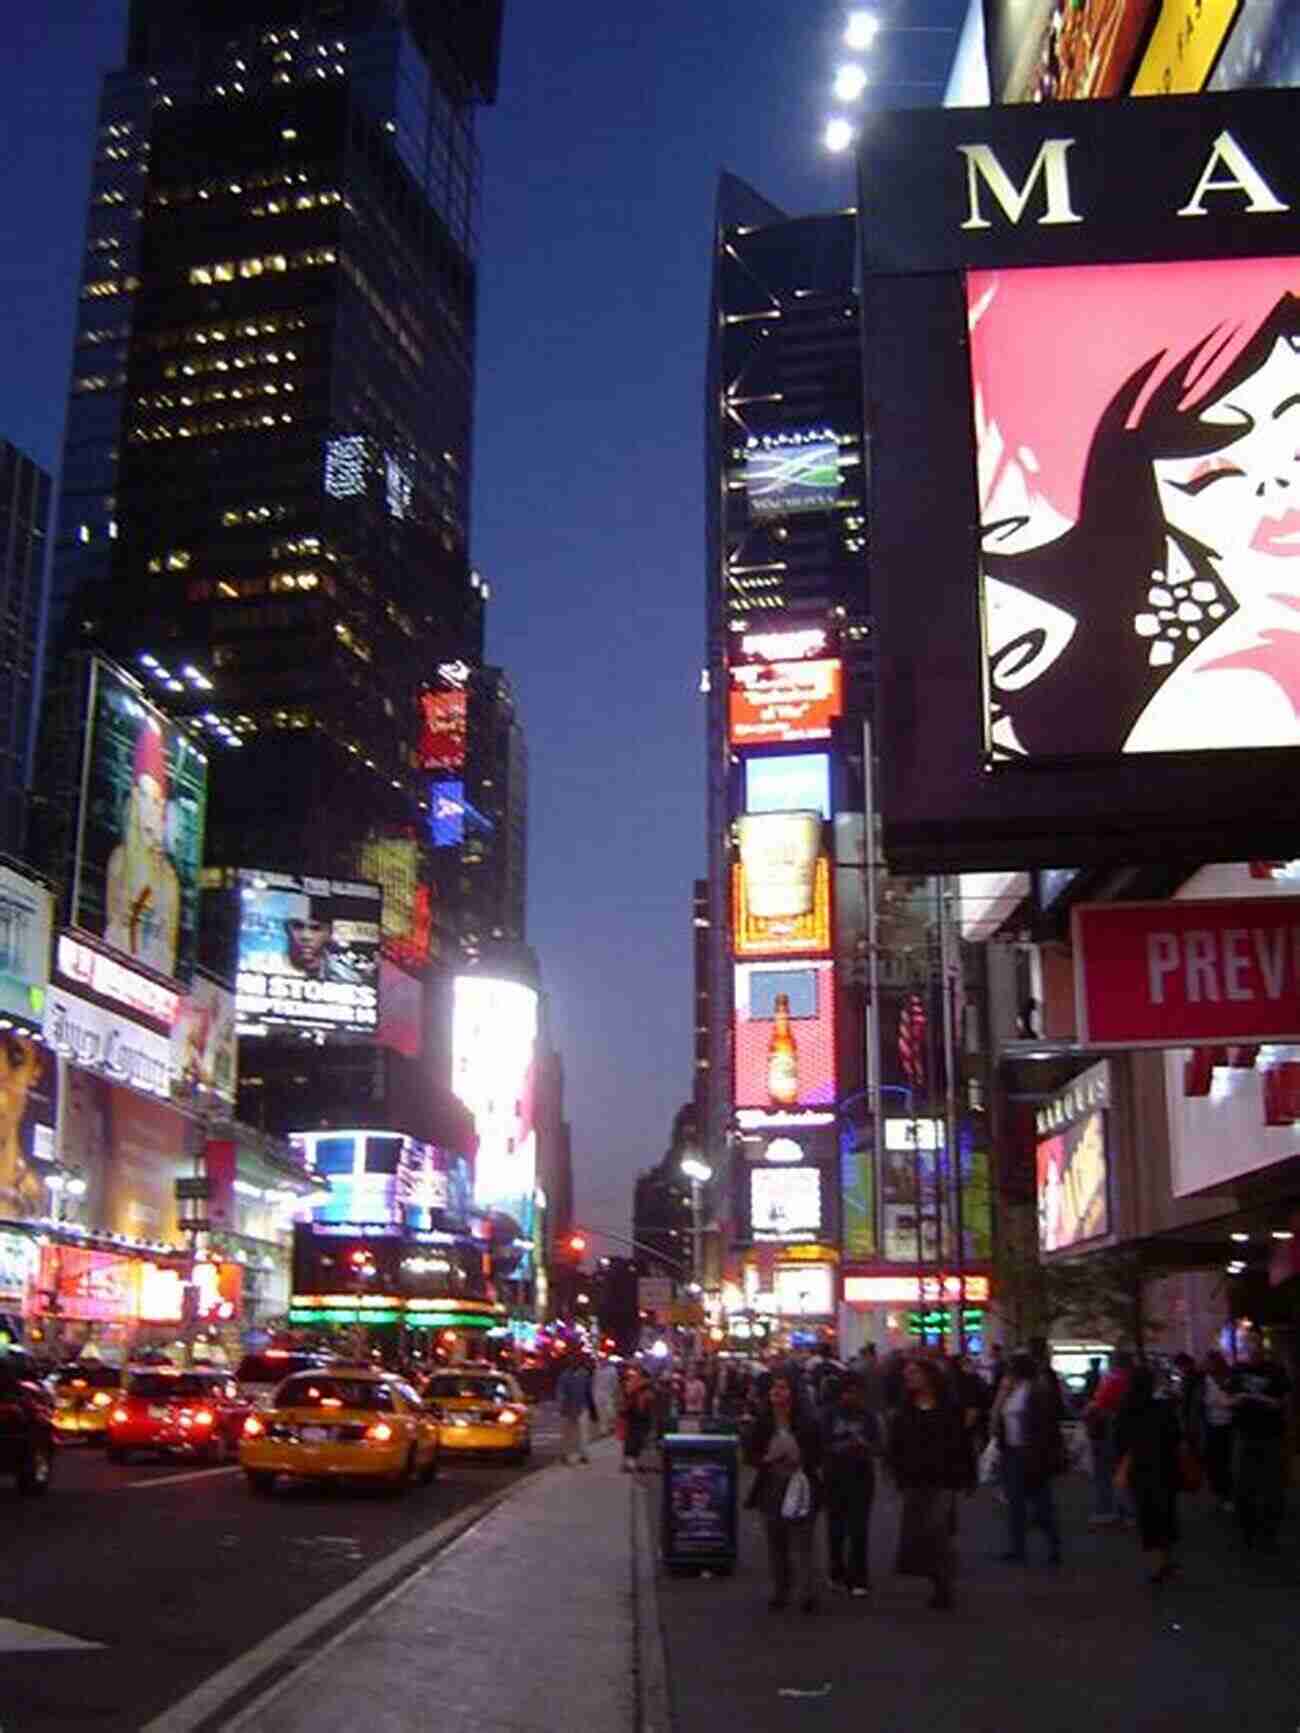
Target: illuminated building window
[{"x": 345, "y": 465}]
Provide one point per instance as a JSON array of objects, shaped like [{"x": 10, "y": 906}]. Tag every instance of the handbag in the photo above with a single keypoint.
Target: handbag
[
  {"x": 797, "y": 1503},
  {"x": 1122, "y": 1471},
  {"x": 990, "y": 1465},
  {"x": 1191, "y": 1476}
]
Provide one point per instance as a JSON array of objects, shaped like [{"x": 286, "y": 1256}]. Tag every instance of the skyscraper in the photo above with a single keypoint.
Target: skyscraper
[
  {"x": 268, "y": 453},
  {"x": 789, "y": 682},
  {"x": 24, "y": 524}
]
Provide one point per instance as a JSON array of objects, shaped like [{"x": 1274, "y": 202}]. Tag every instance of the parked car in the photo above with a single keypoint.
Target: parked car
[
  {"x": 84, "y": 1392},
  {"x": 193, "y": 1413},
  {"x": 26, "y": 1424}
]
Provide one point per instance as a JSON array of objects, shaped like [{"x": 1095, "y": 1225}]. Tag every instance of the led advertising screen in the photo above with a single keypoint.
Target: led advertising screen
[
  {"x": 792, "y": 472},
  {"x": 494, "y": 1046},
  {"x": 26, "y": 916},
  {"x": 308, "y": 954},
  {"x": 781, "y": 886},
  {"x": 1053, "y": 52},
  {"x": 1082, "y": 541},
  {"x": 140, "y": 839},
  {"x": 204, "y": 1050},
  {"x": 1073, "y": 1169},
  {"x": 393, "y": 863},
  {"x": 31, "y": 1096},
  {"x": 785, "y": 1035},
  {"x": 443, "y": 724},
  {"x": 788, "y": 782},
  {"x": 785, "y": 1203},
  {"x": 777, "y": 702},
  {"x": 451, "y": 817}
]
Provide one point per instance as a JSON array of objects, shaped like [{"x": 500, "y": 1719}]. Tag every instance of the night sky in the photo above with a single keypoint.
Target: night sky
[{"x": 600, "y": 172}]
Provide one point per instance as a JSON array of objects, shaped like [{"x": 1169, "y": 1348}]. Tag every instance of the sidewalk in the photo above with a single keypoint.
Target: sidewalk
[
  {"x": 525, "y": 1624},
  {"x": 1085, "y": 1649}
]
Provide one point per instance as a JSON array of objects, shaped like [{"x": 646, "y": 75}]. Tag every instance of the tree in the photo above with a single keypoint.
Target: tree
[{"x": 1101, "y": 1294}]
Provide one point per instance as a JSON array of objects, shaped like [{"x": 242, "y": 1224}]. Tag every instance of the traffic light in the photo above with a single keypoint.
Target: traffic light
[{"x": 577, "y": 1244}]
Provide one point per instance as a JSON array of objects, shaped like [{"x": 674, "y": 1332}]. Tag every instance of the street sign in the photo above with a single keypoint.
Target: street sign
[
  {"x": 654, "y": 1293},
  {"x": 192, "y": 1190}
]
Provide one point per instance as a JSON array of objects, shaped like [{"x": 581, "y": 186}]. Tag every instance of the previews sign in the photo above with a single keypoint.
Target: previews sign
[{"x": 1179, "y": 974}]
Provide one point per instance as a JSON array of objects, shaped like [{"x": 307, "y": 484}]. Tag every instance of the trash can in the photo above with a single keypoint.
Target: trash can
[{"x": 699, "y": 1514}]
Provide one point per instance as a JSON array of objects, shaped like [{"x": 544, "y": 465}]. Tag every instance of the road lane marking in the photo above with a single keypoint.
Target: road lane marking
[
  {"x": 19, "y": 1639},
  {"x": 175, "y": 1479}
]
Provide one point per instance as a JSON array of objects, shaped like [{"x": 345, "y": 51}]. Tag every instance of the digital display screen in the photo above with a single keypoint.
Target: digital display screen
[
  {"x": 141, "y": 843},
  {"x": 451, "y": 817},
  {"x": 784, "y": 1035},
  {"x": 804, "y": 1291},
  {"x": 308, "y": 953},
  {"x": 443, "y": 725},
  {"x": 781, "y": 886},
  {"x": 494, "y": 1052},
  {"x": 1073, "y": 1169},
  {"x": 785, "y": 1203},
  {"x": 777, "y": 702},
  {"x": 794, "y": 782},
  {"x": 1137, "y": 428},
  {"x": 791, "y": 472}
]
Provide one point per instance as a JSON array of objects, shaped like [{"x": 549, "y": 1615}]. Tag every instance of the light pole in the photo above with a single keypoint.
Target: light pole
[{"x": 699, "y": 1173}]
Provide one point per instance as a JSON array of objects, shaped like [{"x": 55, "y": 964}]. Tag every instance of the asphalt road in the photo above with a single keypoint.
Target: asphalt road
[{"x": 177, "y": 1570}]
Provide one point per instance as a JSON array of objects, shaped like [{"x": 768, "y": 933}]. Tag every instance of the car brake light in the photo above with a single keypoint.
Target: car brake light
[
  {"x": 380, "y": 1432},
  {"x": 253, "y": 1427},
  {"x": 202, "y": 1417},
  {"x": 101, "y": 1399},
  {"x": 120, "y": 1417},
  {"x": 507, "y": 1417}
]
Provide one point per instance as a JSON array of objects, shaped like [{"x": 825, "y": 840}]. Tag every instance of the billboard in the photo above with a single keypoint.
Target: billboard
[
  {"x": 1073, "y": 1168},
  {"x": 788, "y": 782},
  {"x": 308, "y": 954},
  {"x": 384, "y": 1177},
  {"x": 785, "y": 473},
  {"x": 777, "y": 702},
  {"x": 494, "y": 1049},
  {"x": 451, "y": 817},
  {"x": 29, "y": 1114},
  {"x": 1183, "y": 973},
  {"x": 440, "y": 744},
  {"x": 101, "y": 1040},
  {"x": 401, "y": 1016},
  {"x": 785, "y": 1203},
  {"x": 781, "y": 886},
  {"x": 1047, "y": 52},
  {"x": 129, "y": 1149},
  {"x": 140, "y": 834},
  {"x": 204, "y": 1062},
  {"x": 1082, "y": 547},
  {"x": 26, "y": 917},
  {"x": 785, "y": 1035},
  {"x": 406, "y": 928}
]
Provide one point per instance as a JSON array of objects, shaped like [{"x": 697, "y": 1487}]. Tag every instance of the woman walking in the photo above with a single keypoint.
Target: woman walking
[
  {"x": 929, "y": 1459},
  {"x": 1147, "y": 1437},
  {"x": 785, "y": 1443},
  {"x": 1216, "y": 1428}
]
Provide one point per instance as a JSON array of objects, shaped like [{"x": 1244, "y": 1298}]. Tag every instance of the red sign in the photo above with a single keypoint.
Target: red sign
[
  {"x": 774, "y": 702},
  {"x": 1187, "y": 974}
]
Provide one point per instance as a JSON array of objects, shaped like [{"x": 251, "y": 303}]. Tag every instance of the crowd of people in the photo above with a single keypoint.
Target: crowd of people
[{"x": 820, "y": 1435}]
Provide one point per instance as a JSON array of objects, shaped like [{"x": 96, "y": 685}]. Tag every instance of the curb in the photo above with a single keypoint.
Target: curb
[
  {"x": 653, "y": 1699},
  {"x": 229, "y": 1697}
]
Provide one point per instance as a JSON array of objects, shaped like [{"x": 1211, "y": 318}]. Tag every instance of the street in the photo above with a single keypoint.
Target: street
[{"x": 177, "y": 1570}]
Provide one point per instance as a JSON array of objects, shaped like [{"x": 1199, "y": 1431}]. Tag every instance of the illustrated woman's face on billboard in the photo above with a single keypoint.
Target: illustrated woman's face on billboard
[{"x": 1244, "y": 498}]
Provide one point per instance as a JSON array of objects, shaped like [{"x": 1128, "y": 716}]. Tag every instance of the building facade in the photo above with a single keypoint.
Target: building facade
[{"x": 24, "y": 531}]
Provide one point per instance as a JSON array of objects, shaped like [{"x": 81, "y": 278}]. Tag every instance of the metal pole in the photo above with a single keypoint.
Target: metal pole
[
  {"x": 695, "y": 1231},
  {"x": 952, "y": 1151},
  {"x": 872, "y": 1030}
]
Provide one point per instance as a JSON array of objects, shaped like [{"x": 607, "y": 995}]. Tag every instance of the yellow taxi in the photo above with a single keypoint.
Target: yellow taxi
[
  {"x": 84, "y": 1394},
  {"x": 480, "y": 1408},
  {"x": 344, "y": 1423}
]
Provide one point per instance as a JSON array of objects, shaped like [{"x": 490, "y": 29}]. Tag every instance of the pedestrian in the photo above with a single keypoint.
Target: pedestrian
[
  {"x": 1029, "y": 1434},
  {"x": 930, "y": 1465},
  {"x": 851, "y": 1441},
  {"x": 784, "y": 1443},
  {"x": 604, "y": 1391},
  {"x": 1110, "y": 1503},
  {"x": 1216, "y": 1428},
  {"x": 1147, "y": 1438},
  {"x": 695, "y": 1396},
  {"x": 1091, "y": 1378},
  {"x": 867, "y": 1369},
  {"x": 636, "y": 1415},
  {"x": 573, "y": 1393},
  {"x": 1260, "y": 1388}
]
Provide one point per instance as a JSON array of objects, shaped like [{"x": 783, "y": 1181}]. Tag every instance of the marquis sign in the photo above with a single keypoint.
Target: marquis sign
[{"x": 1082, "y": 330}]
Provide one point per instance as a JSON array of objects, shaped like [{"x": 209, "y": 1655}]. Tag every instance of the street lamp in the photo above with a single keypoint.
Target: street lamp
[{"x": 699, "y": 1173}]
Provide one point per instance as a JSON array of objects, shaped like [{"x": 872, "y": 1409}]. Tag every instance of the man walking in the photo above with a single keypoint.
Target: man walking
[
  {"x": 1259, "y": 1391},
  {"x": 573, "y": 1393},
  {"x": 851, "y": 1440}
]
